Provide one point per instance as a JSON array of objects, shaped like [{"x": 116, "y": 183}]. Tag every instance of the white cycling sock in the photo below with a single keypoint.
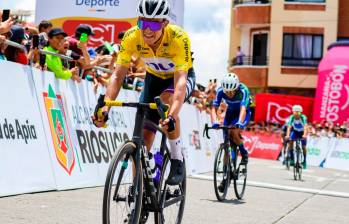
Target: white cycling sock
[{"x": 176, "y": 149}]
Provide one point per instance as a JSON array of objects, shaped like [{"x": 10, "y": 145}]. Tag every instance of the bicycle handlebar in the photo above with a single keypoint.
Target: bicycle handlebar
[
  {"x": 158, "y": 105},
  {"x": 220, "y": 127}
]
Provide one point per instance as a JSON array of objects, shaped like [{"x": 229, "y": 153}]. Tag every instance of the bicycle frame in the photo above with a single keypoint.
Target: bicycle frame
[{"x": 141, "y": 152}]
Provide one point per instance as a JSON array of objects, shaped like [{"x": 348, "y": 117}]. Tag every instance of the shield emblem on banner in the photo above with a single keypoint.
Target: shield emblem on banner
[{"x": 59, "y": 130}]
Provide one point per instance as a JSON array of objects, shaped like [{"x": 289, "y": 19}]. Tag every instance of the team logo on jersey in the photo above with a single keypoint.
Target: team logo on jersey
[
  {"x": 160, "y": 64},
  {"x": 59, "y": 130}
]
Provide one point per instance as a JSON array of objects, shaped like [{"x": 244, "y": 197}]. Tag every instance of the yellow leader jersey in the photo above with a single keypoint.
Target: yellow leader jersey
[{"x": 172, "y": 55}]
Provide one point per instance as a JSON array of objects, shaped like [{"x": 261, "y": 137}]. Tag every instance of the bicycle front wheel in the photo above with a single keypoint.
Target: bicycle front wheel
[
  {"x": 122, "y": 199},
  {"x": 171, "y": 198},
  {"x": 221, "y": 173}
]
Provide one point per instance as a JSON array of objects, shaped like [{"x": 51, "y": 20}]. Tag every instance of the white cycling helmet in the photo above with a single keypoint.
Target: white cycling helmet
[
  {"x": 230, "y": 82},
  {"x": 154, "y": 9},
  {"x": 297, "y": 108}
]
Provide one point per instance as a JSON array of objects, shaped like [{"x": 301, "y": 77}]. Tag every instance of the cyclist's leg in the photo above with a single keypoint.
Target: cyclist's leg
[
  {"x": 304, "y": 148},
  {"x": 177, "y": 169},
  {"x": 153, "y": 86},
  {"x": 236, "y": 136},
  {"x": 290, "y": 147}
]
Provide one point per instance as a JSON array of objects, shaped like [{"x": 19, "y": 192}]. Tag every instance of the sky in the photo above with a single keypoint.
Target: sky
[{"x": 206, "y": 21}]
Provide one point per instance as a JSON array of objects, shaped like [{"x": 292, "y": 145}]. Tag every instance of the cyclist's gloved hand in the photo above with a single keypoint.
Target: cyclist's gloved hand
[
  {"x": 170, "y": 122},
  {"x": 100, "y": 117},
  {"x": 215, "y": 124},
  {"x": 239, "y": 125}
]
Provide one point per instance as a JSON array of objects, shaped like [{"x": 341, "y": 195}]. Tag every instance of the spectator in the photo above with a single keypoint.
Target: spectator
[
  {"x": 6, "y": 25},
  {"x": 239, "y": 56},
  {"x": 44, "y": 28},
  {"x": 2, "y": 47},
  {"x": 16, "y": 54},
  {"x": 74, "y": 40},
  {"x": 56, "y": 40}
]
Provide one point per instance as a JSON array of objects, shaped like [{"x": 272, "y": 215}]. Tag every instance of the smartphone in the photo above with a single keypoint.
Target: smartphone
[
  {"x": 35, "y": 41},
  {"x": 109, "y": 47},
  {"x": 83, "y": 37},
  {"x": 42, "y": 60},
  {"x": 5, "y": 14}
]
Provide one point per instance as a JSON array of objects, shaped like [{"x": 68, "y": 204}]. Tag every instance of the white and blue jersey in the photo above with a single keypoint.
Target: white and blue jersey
[
  {"x": 298, "y": 126},
  {"x": 241, "y": 98}
]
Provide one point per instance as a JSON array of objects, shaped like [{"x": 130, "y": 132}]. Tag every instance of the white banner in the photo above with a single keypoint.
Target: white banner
[
  {"x": 106, "y": 17},
  {"x": 24, "y": 162},
  {"x": 338, "y": 156},
  {"x": 317, "y": 150}
]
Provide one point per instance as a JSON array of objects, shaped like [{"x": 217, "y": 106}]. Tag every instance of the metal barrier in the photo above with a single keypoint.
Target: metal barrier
[
  {"x": 43, "y": 52},
  {"x": 16, "y": 45}
]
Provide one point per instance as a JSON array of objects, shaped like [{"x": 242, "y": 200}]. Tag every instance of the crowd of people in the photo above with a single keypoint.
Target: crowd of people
[
  {"x": 68, "y": 57},
  {"x": 84, "y": 62}
]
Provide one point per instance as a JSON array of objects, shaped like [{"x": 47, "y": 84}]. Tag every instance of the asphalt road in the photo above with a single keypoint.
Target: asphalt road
[{"x": 272, "y": 196}]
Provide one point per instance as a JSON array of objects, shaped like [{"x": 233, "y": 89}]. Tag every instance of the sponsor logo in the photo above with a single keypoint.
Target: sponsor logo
[
  {"x": 194, "y": 140},
  {"x": 277, "y": 113},
  {"x": 340, "y": 155},
  {"x": 314, "y": 151},
  {"x": 17, "y": 130},
  {"x": 104, "y": 30},
  {"x": 97, "y": 3},
  {"x": 333, "y": 94},
  {"x": 59, "y": 130},
  {"x": 255, "y": 143},
  {"x": 160, "y": 64}
]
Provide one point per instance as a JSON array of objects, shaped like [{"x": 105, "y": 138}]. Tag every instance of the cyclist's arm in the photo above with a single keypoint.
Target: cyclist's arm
[
  {"x": 214, "y": 114},
  {"x": 242, "y": 115},
  {"x": 215, "y": 105},
  {"x": 305, "y": 127},
  {"x": 288, "y": 131},
  {"x": 116, "y": 81},
  {"x": 180, "y": 82}
]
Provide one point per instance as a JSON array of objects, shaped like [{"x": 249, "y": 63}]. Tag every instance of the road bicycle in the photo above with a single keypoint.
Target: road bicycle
[
  {"x": 227, "y": 166},
  {"x": 131, "y": 192}
]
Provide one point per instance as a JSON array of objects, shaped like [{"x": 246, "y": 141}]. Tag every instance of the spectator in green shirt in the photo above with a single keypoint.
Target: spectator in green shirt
[{"x": 56, "y": 40}]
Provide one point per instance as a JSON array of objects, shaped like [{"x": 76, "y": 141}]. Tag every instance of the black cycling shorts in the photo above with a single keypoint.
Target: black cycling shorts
[{"x": 154, "y": 86}]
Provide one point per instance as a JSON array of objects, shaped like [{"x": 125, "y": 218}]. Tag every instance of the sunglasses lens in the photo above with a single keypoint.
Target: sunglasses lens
[{"x": 153, "y": 26}]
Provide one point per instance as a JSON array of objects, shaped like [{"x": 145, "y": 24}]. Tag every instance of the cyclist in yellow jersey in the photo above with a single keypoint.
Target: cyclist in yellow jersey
[{"x": 165, "y": 49}]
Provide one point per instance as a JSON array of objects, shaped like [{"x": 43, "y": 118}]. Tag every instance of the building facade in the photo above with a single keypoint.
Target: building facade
[{"x": 282, "y": 41}]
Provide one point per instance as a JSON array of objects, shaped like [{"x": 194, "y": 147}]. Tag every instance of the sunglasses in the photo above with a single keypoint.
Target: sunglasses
[
  {"x": 229, "y": 92},
  {"x": 152, "y": 25}
]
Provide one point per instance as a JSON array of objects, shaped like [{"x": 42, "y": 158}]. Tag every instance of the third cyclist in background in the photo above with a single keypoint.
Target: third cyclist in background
[{"x": 297, "y": 129}]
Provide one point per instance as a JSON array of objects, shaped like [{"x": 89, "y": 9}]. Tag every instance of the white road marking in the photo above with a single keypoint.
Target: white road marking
[{"x": 283, "y": 187}]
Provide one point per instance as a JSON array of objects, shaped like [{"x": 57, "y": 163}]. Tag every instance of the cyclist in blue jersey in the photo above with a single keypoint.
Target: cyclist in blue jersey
[
  {"x": 297, "y": 129},
  {"x": 237, "y": 96}
]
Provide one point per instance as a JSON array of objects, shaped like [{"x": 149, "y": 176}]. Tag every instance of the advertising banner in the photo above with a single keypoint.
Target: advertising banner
[
  {"x": 107, "y": 17},
  {"x": 24, "y": 162},
  {"x": 277, "y": 107},
  {"x": 66, "y": 159},
  {"x": 264, "y": 146},
  {"x": 338, "y": 156},
  {"x": 317, "y": 150},
  {"x": 332, "y": 92}
]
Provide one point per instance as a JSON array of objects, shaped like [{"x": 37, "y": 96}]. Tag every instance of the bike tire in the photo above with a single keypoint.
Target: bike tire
[
  {"x": 240, "y": 178},
  {"x": 177, "y": 216},
  {"x": 127, "y": 150},
  {"x": 219, "y": 159}
]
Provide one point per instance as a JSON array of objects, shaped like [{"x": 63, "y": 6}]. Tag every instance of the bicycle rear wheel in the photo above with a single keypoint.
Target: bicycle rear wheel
[
  {"x": 122, "y": 199},
  {"x": 221, "y": 172},
  {"x": 172, "y": 198},
  {"x": 239, "y": 176}
]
